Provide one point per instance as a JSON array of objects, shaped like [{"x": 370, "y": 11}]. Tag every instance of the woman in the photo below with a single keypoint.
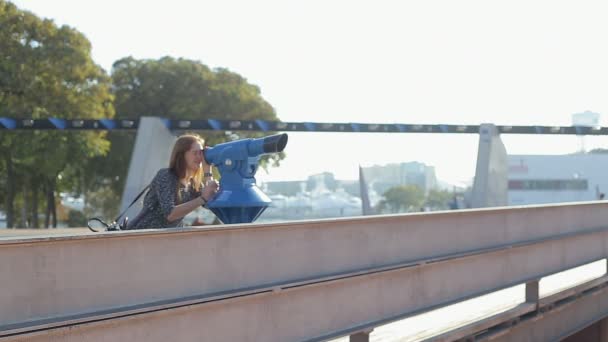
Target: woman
[{"x": 175, "y": 192}]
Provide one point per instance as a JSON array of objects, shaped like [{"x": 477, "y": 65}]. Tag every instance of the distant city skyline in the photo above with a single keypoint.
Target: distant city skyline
[{"x": 377, "y": 177}]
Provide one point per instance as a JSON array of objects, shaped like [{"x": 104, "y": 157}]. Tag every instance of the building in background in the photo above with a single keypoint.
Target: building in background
[
  {"x": 385, "y": 177},
  {"x": 585, "y": 119},
  {"x": 536, "y": 179},
  {"x": 322, "y": 195}
]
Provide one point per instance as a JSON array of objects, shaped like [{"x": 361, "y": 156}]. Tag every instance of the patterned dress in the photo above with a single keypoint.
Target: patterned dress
[{"x": 160, "y": 201}]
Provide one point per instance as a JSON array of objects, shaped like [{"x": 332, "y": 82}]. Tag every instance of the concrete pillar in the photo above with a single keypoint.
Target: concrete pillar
[
  {"x": 533, "y": 292},
  {"x": 151, "y": 152},
  {"x": 360, "y": 336},
  {"x": 491, "y": 178},
  {"x": 366, "y": 208}
]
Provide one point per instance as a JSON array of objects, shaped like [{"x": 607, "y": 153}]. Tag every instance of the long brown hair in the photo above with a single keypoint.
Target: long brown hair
[{"x": 177, "y": 163}]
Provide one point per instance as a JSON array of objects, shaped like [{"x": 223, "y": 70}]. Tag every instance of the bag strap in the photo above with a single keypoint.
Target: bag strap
[
  {"x": 114, "y": 225},
  {"x": 130, "y": 205}
]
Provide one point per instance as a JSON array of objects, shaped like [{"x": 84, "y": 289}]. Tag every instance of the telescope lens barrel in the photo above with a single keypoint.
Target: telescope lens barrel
[
  {"x": 240, "y": 149},
  {"x": 275, "y": 143}
]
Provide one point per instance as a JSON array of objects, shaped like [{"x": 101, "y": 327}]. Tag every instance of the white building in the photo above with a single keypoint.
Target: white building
[
  {"x": 410, "y": 173},
  {"x": 318, "y": 203},
  {"x": 536, "y": 179}
]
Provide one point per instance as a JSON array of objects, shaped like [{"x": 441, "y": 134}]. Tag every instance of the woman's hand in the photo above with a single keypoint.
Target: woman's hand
[{"x": 209, "y": 190}]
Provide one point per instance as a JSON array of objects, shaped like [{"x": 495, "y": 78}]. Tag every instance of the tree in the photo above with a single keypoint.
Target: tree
[
  {"x": 177, "y": 89},
  {"x": 438, "y": 199},
  {"x": 76, "y": 219},
  {"x": 46, "y": 71},
  {"x": 401, "y": 198}
]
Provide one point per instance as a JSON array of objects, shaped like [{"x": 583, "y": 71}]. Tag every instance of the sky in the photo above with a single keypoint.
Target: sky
[{"x": 435, "y": 62}]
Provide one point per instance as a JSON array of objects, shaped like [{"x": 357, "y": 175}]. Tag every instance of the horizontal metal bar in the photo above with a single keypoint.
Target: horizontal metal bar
[
  {"x": 559, "y": 217},
  {"x": 102, "y": 315},
  {"x": 55, "y": 276},
  {"x": 572, "y": 291},
  {"x": 22, "y": 327},
  {"x": 458, "y": 333},
  {"x": 280, "y": 315},
  {"x": 484, "y": 323},
  {"x": 266, "y": 126},
  {"x": 545, "y": 304},
  {"x": 559, "y": 322},
  {"x": 508, "y": 254}
]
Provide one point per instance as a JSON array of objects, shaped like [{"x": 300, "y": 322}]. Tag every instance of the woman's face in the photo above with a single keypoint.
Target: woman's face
[{"x": 194, "y": 157}]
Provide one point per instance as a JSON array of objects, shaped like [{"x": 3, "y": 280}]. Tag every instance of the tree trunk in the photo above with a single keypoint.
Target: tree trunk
[
  {"x": 24, "y": 208},
  {"x": 34, "y": 221},
  {"x": 85, "y": 192},
  {"x": 10, "y": 192},
  {"x": 47, "y": 214},
  {"x": 52, "y": 194}
]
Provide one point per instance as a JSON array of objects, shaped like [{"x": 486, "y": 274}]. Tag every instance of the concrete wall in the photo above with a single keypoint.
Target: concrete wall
[
  {"x": 490, "y": 185},
  {"x": 151, "y": 152}
]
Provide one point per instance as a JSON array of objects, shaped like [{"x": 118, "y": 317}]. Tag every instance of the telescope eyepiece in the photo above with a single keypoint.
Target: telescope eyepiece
[{"x": 275, "y": 143}]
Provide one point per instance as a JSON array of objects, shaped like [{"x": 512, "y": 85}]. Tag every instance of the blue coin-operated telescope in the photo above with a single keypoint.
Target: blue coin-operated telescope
[{"x": 239, "y": 199}]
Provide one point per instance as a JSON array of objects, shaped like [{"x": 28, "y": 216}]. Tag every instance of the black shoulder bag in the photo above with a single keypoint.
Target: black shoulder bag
[{"x": 116, "y": 225}]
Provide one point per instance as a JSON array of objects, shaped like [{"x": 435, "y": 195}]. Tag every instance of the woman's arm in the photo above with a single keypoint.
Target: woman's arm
[
  {"x": 165, "y": 184},
  {"x": 184, "y": 209}
]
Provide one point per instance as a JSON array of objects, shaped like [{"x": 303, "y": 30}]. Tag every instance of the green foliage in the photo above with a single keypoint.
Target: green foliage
[
  {"x": 406, "y": 198},
  {"x": 103, "y": 202},
  {"x": 184, "y": 89},
  {"x": 47, "y": 71},
  {"x": 401, "y": 198},
  {"x": 76, "y": 219},
  {"x": 438, "y": 199}
]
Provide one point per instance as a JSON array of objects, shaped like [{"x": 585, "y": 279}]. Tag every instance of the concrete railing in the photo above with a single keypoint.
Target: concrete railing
[{"x": 294, "y": 281}]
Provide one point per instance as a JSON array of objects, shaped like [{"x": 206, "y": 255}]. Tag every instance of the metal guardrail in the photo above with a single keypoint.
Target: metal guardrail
[
  {"x": 294, "y": 281},
  {"x": 557, "y": 322},
  {"x": 492, "y": 327},
  {"x": 266, "y": 126},
  {"x": 139, "y": 311}
]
